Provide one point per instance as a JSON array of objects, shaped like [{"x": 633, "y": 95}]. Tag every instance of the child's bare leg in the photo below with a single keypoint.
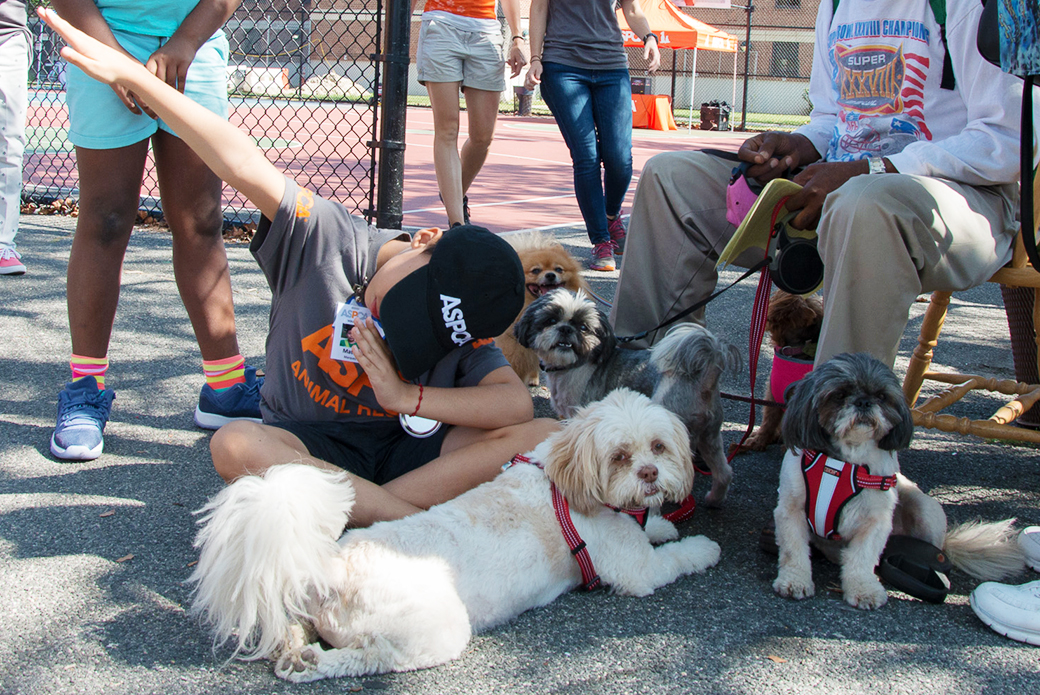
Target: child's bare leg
[
  {"x": 110, "y": 190},
  {"x": 192, "y": 206},
  {"x": 468, "y": 458},
  {"x": 248, "y": 448}
]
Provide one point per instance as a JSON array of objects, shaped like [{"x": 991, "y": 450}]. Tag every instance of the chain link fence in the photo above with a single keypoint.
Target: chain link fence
[
  {"x": 302, "y": 81},
  {"x": 304, "y": 76}
]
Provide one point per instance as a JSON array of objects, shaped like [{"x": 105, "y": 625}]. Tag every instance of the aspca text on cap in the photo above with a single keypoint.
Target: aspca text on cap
[{"x": 454, "y": 320}]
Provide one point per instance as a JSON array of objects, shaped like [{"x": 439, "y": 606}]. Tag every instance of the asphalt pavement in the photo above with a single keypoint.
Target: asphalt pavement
[{"x": 94, "y": 556}]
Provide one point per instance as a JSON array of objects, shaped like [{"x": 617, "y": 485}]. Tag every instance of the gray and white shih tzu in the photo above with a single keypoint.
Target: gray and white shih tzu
[
  {"x": 583, "y": 363},
  {"x": 841, "y": 489}
]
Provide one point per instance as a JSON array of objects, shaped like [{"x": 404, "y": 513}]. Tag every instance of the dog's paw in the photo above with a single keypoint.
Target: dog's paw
[
  {"x": 758, "y": 441},
  {"x": 299, "y": 665},
  {"x": 660, "y": 530},
  {"x": 789, "y": 585},
  {"x": 698, "y": 553},
  {"x": 865, "y": 595},
  {"x": 717, "y": 495}
]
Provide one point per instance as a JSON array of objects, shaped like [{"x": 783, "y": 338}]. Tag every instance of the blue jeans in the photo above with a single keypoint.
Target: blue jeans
[{"x": 593, "y": 109}]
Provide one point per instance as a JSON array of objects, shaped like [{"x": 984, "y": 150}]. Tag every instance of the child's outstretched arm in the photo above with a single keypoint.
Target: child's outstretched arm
[{"x": 229, "y": 152}]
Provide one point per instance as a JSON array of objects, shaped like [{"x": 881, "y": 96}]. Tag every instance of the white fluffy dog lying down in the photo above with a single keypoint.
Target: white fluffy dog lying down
[{"x": 407, "y": 594}]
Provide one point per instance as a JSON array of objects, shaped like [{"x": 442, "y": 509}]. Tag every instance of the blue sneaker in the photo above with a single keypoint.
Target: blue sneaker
[
  {"x": 82, "y": 415},
  {"x": 240, "y": 402}
]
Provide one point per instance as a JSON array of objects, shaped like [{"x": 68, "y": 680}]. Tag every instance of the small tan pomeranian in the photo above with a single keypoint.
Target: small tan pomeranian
[{"x": 547, "y": 266}]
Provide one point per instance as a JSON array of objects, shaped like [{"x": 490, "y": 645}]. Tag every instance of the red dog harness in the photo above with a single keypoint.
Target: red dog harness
[
  {"x": 829, "y": 485},
  {"x": 570, "y": 534}
]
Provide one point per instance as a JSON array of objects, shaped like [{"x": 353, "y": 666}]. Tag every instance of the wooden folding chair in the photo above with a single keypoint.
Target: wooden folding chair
[{"x": 1018, "y": 273}]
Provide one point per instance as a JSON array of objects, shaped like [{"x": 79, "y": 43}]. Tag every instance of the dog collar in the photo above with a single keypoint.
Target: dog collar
[
  {"x": 549, "y": 370},
  {"x": 590, "y": 580},
  {"x": 640, "y": 515}
]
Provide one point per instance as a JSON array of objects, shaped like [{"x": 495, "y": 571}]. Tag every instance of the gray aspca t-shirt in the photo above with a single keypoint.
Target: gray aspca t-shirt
[
  {"x": 584, "y": 34},
  {"x": 315, "y": 255}
]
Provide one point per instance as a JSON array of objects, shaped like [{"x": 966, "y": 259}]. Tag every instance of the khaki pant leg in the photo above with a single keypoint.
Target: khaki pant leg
[
  {"x": 886, "y": 239},
  {"x": 677, "y": 229}
]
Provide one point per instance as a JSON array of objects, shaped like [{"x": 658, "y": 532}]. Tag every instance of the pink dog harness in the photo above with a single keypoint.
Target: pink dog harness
[
  {"x": 785, "y": 371},
  {"x": 570, "y": 534},
  {"x": 829, "y": 485}
]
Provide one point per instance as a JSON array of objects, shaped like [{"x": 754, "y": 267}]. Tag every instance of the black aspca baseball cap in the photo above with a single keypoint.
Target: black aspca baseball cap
[{"x": 472, "y": 288}]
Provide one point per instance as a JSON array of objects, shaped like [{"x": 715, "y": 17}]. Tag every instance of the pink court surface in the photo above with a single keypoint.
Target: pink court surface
[{"x": 526, "y": 182}]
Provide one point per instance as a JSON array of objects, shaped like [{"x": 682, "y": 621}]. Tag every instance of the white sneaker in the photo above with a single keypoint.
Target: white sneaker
[
  {"x": 1029, "y": 541},
  {"x": 1013, "y": 611}
]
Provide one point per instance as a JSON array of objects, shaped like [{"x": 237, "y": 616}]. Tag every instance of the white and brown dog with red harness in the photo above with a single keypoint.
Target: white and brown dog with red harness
[{"x": 407, "y": 594}]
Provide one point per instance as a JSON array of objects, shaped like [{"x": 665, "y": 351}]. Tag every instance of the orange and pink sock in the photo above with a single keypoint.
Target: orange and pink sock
[
  {"x": 225, "y": 373},
  {"x": 89, "y": 366}
]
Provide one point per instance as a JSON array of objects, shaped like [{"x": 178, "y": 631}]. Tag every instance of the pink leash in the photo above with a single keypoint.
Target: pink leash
[{"x": 758, "y": 331}]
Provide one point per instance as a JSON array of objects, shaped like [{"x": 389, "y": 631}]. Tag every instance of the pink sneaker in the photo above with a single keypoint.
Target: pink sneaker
[
  {"x": 603, "y": 257},
  {"x": 10, "y": 262},
  {"x": 617, "y": 234}
]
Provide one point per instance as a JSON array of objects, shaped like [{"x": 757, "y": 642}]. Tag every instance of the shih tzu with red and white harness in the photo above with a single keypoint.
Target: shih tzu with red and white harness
[
  {"x": 841, "y": 490},
  {"x": 407, "y": 594}
]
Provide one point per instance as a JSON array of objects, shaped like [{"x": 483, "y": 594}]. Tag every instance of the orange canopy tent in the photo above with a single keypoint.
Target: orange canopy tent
[
  {"x": 680, "y": 31},
  {"x": 677, "y": 30}
]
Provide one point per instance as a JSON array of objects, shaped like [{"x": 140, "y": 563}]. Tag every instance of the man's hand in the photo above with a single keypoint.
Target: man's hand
[
  {"x": 771, "y": 154},
  {"x": 375, "y": 358},
  {"x": 818, "y": 181}
]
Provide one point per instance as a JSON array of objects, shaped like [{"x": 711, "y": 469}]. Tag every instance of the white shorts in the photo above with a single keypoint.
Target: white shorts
[{"x": 449, "y": 54}]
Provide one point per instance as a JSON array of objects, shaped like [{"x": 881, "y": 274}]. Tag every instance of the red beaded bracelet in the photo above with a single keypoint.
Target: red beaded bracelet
[{"x": 419, "y": 403}]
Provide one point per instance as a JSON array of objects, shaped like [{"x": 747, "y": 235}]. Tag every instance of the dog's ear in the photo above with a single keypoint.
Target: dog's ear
[
  {"x": 573, "y": 463},
  {"x": 801, "y": 426},
  {"x": 524, "y": 328},
  {"x": 607, "y": 342},
  {"x": 902, "y": 432}
]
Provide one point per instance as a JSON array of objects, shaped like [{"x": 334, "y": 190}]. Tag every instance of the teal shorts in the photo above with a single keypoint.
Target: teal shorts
[{"x": 100, "y": 121}]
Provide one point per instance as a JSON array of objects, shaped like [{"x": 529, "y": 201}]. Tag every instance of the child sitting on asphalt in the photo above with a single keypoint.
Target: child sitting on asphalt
[
  {"x": 333, "y": 390},
  {"x": 180, "y": 42}
]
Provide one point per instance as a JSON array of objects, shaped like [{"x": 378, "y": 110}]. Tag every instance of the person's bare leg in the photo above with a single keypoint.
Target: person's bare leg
[
  {"x": 243, "y": 448},
  {"x": 481, "y": 115},
  {"x": 110, "y": 190},
  {"x": 444, "y": 100},
  {"x": 192, "y": 206},
  {"x": 468, "y": 458}
]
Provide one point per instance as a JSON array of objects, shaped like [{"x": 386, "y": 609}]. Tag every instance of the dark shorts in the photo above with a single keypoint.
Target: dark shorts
[{"x": 376, "y": 451}]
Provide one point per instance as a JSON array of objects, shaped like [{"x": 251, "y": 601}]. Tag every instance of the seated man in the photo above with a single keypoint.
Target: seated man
[
  {"x": 440, "y": 299},
  {"x": 910, "y": 179}
]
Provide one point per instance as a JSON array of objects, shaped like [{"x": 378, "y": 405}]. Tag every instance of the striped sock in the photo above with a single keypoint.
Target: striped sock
[
  {"x": 223, "y": 374},
  {"x": 89, "y": 366}
]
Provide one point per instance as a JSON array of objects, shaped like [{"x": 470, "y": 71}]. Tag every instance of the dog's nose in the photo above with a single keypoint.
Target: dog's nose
[
  {"x": 864, "y": 402},
  {"x": 648, "y": 473},
  {"x": 550, "y": 278}
]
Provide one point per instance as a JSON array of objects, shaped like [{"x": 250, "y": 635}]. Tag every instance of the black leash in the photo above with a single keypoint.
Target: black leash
[{"x": 686, "y": 312}]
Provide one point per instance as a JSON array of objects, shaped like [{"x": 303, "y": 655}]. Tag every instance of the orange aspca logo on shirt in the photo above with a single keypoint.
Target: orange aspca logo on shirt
[
  {"x": 481, "y": 9},
  {"x": 304, "y": 203},
  {"x": 346, "y": 374}
]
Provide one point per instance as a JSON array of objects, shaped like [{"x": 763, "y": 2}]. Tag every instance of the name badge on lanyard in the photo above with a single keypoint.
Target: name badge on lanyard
[{"x": 348, "y": 314}]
